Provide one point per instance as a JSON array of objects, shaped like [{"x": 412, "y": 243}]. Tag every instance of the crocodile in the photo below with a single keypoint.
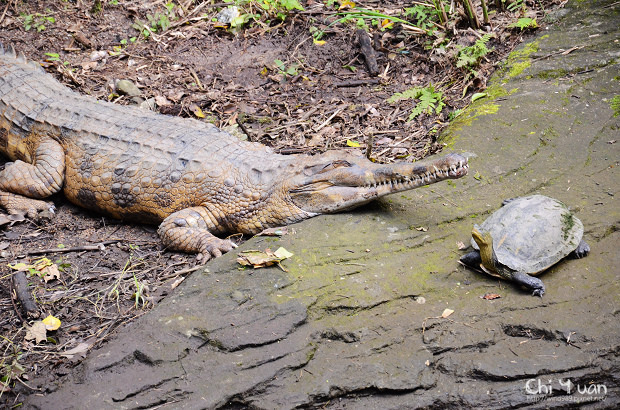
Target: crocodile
[{"x": 194, "y": 180}]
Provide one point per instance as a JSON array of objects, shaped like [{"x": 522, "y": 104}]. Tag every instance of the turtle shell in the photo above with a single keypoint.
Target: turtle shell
[{"x": 532, "y": 233}]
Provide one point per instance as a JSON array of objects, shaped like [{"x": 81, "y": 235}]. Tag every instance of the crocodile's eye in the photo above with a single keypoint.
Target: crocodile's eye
[{"x": 321, "y": 168}]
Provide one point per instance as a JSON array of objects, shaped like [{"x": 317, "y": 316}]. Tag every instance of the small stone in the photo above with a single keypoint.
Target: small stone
[{"x": 126, "y": 87}]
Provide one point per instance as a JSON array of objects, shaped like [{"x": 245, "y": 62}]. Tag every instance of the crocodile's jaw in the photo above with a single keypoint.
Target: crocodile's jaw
[{"x": 346, "y": 182}]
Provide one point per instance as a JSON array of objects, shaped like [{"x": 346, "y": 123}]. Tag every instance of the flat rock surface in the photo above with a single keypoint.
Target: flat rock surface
[{"x": 356, "y": 320}]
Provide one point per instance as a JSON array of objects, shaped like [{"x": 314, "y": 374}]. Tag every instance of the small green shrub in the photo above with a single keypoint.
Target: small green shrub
[{"x": 429, "y": 100}]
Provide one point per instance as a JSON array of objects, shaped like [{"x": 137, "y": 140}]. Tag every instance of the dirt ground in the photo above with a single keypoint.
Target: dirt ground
[{"x": 269, "y": 82}]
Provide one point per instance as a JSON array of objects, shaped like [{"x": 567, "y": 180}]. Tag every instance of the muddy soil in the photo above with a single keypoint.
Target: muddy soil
[{"x": 269, "y": 82}]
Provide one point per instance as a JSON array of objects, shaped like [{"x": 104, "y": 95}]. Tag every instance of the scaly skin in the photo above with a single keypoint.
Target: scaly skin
[{"x": 193, "y": 179}]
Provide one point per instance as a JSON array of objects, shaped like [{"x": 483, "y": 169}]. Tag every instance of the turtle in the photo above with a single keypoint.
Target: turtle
[{"x": 523, "y": 238}]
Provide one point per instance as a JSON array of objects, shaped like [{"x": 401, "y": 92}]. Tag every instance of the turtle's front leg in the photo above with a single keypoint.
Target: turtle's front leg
[
  {"x": 530, "y": 282},
  {"x": 187, "y": 230}
]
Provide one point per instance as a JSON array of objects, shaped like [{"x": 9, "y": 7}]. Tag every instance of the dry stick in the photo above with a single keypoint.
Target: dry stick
[
  {"x": 368, "y": 52},
  {"x": 20, "y": 285},
  {"x": 96, "y": 247},
  {"x": 4, "y": 13},
  {"x": 355, "y": 83}
]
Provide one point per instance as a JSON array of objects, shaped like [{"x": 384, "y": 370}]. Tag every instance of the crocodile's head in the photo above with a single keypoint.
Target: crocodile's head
[{"x": 338, "y": 181}]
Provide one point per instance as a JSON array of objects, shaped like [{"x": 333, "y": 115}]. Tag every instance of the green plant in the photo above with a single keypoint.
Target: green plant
[
  {"x": 282, "y": 69},
  {"x": 429, "y": 100},
  {"x": 471, "y": 56},
  {"x": 37, "y": 20},
  {"x": 10, "y": 368},
  {"x": 158, "y": 22},
  {"x": 278, "y": 8},
  {"x": 514, "y": 5},
  {"x": 524, "y": 23},
  {"x": 423, "y": 16},
  {"x": 360, "y": 15}
]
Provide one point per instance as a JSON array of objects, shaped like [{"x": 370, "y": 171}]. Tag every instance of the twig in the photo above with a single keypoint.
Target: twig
[
  {"x": 328, "y": 120},
  {"x": 355, "y": 83},
  {"x": 97, "y": 247},
  {"x": 5, "y": 10},
  {"x": 198, "y": 83},
  {"x": 368, "y": 52},
  {"x": 20, "y": 285}
]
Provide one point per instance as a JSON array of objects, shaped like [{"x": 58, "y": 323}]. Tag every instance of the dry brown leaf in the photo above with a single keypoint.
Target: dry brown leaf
[
  {"x": 490, "y": 296},
  {"x": 37, "y": 331},
  {"x": 283, "y": 230},
  {"x": 79, "y": 350},
  {"x": 447, "y": 312},
  {"x": 258, "y": 259},
  {"x": 50, "y": 272}
]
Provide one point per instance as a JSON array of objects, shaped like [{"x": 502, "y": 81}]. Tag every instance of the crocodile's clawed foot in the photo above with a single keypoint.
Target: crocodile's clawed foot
[
  {"x": 21, "y": 205},
  {"x": 214, "y": 247}
]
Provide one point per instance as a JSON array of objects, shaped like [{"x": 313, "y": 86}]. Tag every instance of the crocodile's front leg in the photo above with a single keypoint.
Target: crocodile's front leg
[
  {"x": 20, "y": 181},
  {"x": 187, "y": 230}
]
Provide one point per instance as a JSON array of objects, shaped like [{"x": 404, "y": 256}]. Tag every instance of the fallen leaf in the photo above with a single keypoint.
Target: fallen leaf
[
  {"x": 490, "y": 296},
  {"x": 421, "y": 229},
  {"x": 37, "y": 332},
  {"x": 258, "y": 259},
  {"x": 447, "y": 312},
  {"x": 283, "y": 230},
  {"x": 79, "y": 350},
  {"x": 196, "y": 110},
  {"x": 478, "y": 96},
  {"x": 50, "y": 272},
  {"x": 346, "y": 4},
  {"x": 89, "y": 65},
  {"x": 20, "y": 267},
  {"x": 162, "y": 101},
  {"x": 460, "y": 245},
  {"x": 319, "y": 42},
  {"x": 51, "y": 323},
  {"x": 282, "y": 253},
  {"x": 353, "y": 143}
]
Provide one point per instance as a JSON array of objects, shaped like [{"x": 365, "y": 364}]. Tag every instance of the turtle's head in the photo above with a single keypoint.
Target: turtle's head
[{"x": 485, "y": 243}]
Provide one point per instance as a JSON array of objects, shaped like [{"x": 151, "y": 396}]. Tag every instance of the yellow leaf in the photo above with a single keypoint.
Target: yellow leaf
[
  {"x": 51, "y": 323},
  {"x": 346, "y": 4},
  {"x": 20, "y": 267},
  {"x": 197, "y": 111},
  {"x": 282, "y": 253},
  {"x": 353, "y": 143},
  {"x": 41, "y": 263},
  {"x": 319, "y": 42},
  {"x": 387, "y": 23}
]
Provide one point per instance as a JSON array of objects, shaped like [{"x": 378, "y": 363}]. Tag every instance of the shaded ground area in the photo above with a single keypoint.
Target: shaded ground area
[
  {"x": 321, "y": 98},
  {"x": 358, "y": 319}
]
